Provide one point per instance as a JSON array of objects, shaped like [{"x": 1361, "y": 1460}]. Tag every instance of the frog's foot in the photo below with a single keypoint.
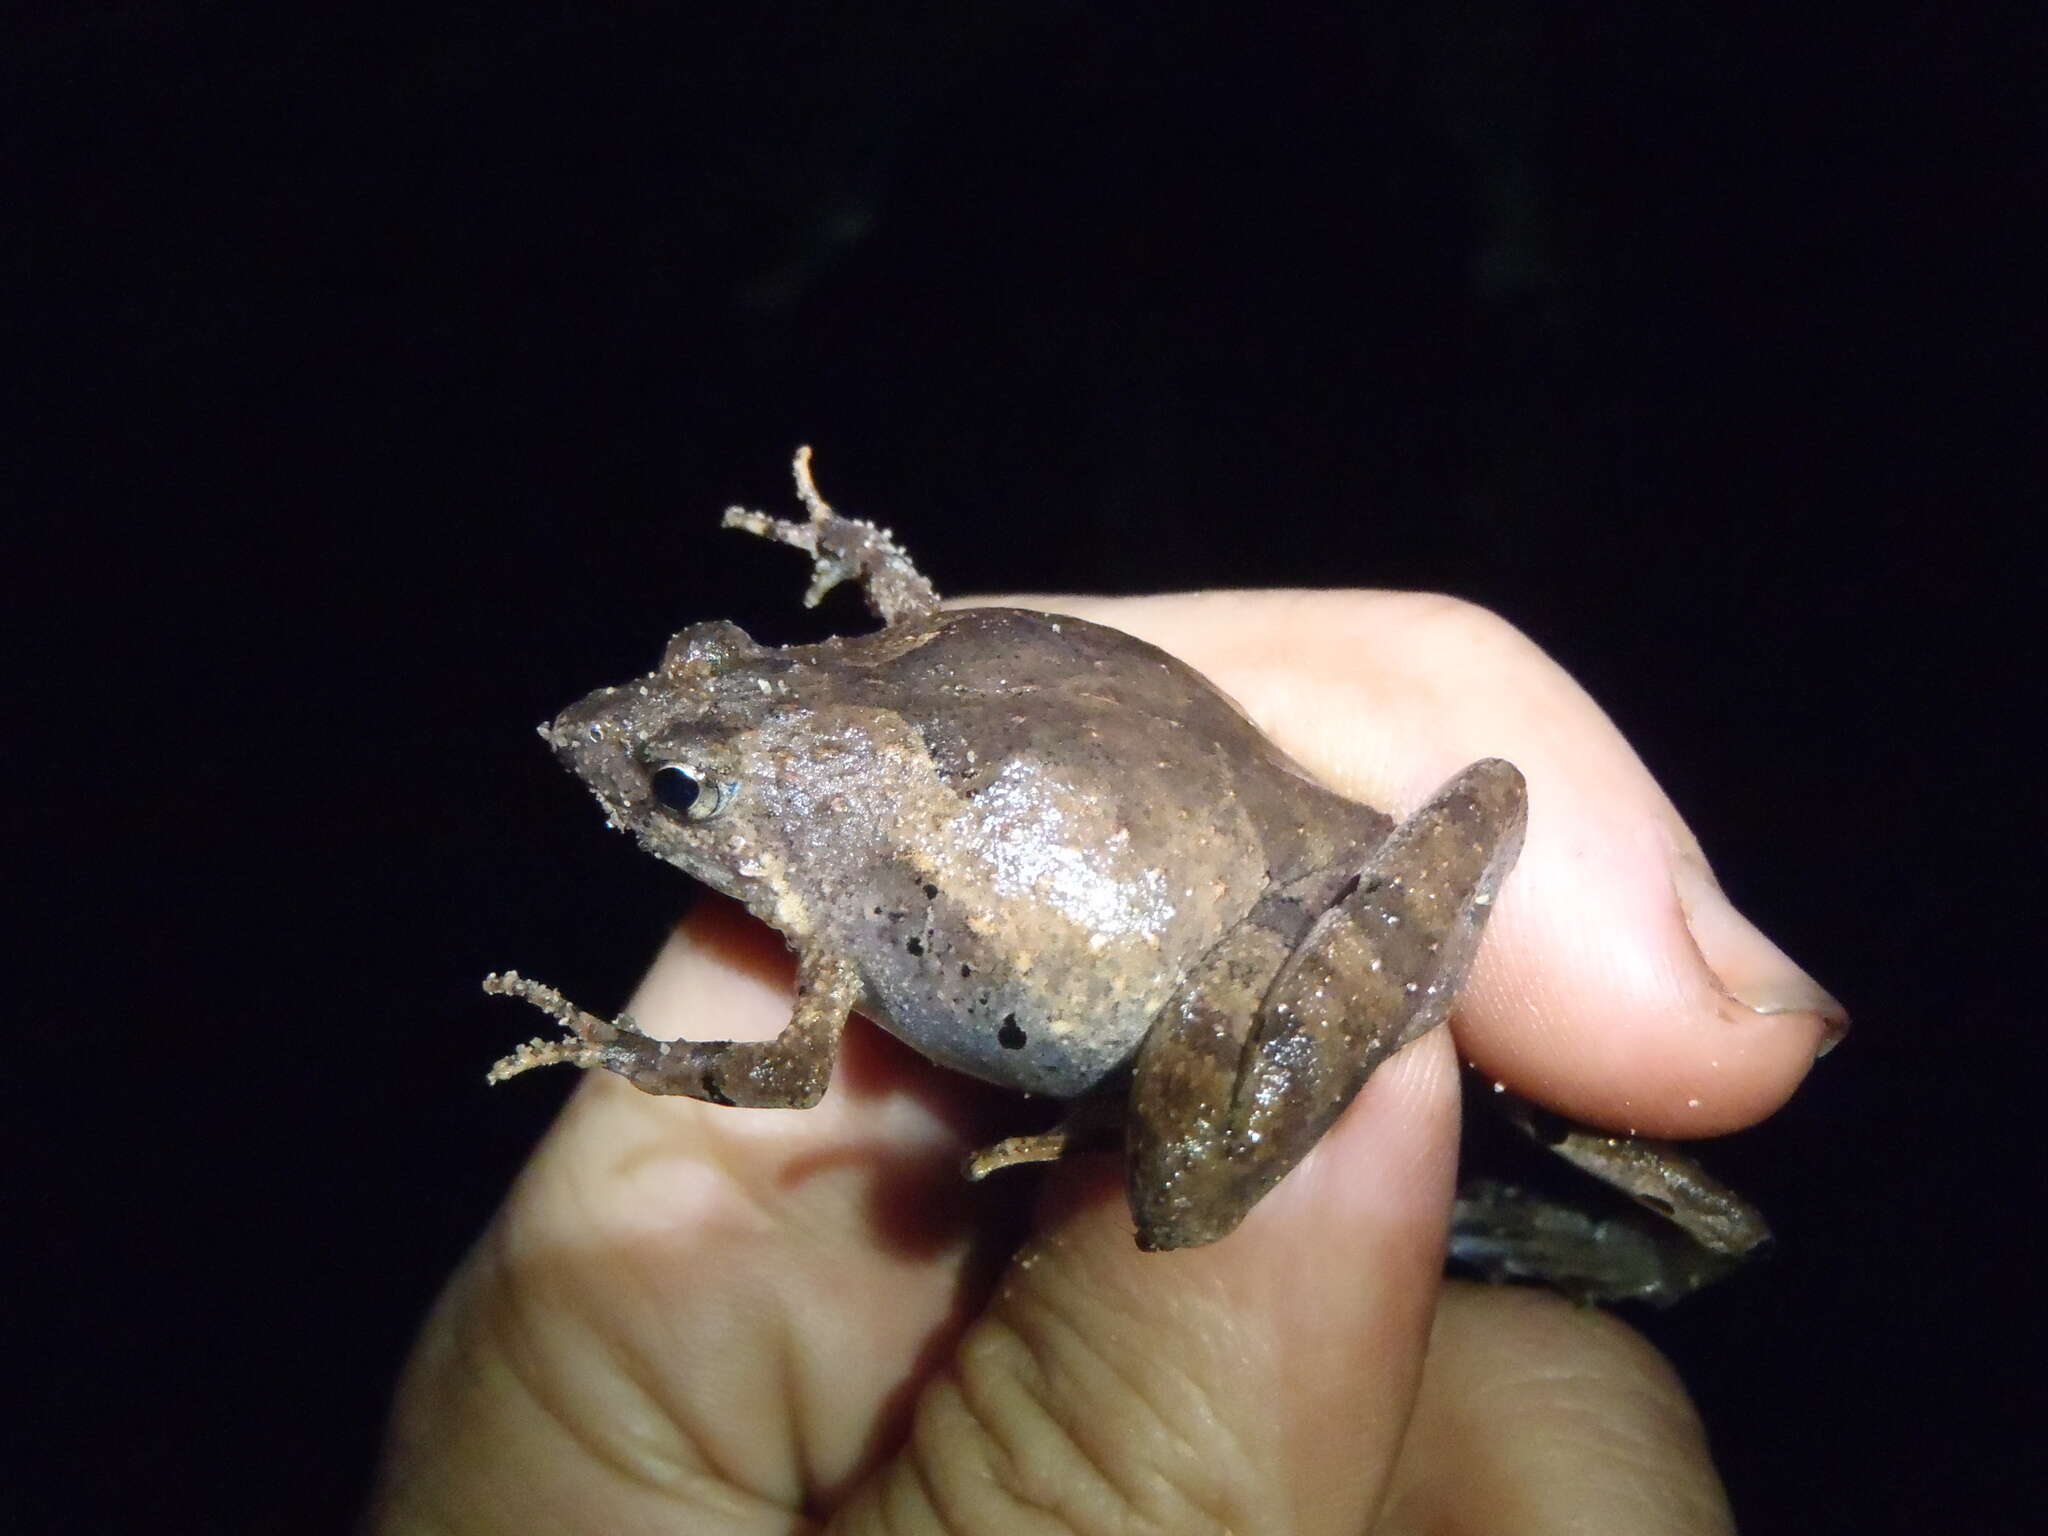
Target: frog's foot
[
  {"x": 1088, "y": 1124},
  {"x": 1277, "y": 1029},
  {"x": 845, "y": 549},
  {"x": 788, "y": 1072},
  {"x": 1506, "y": 1233},
  {"x": 589, "y": 1035},
  {"x": 1654, "y": 1174}
]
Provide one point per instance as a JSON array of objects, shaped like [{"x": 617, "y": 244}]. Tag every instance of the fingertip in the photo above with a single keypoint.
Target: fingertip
[
  {"x": 718, "y": 962},
  {"x": 1746, "y": 964},
  {"x": 1600, "y": 992}
]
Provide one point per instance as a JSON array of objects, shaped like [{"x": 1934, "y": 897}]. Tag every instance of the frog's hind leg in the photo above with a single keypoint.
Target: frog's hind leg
[
  {"x": 1656, "y": 1175},
  {"x": 1698, "y": 1230},
  {"x": 1507, "y": 1233},
  {"x": 788, "y": 1072},
  {"x": 1278, "y": 1029}
]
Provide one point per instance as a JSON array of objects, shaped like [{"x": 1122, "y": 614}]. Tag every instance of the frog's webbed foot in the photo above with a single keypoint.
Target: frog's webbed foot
[
  {"x": 1281, "y": 1024},
  {"x": 1696, "y": 1228},
  {"x": 845, "y": 549},
  {"x": 1655, "y": 1174},
  {"x": 1088, "y": 1124},
  {"x": 788, "y": 1072},
  {"x": 1506, "y": 1233}
]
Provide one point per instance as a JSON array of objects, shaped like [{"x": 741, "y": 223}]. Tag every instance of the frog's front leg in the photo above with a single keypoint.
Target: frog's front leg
[
  {"x": 788, "y": 1072},
  {"x": 845, "y": 549},
  {"x": 1276, "y": 1031}
]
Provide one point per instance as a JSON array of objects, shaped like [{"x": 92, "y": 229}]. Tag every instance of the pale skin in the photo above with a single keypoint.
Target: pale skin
[{"x": 689, "y": 1317}]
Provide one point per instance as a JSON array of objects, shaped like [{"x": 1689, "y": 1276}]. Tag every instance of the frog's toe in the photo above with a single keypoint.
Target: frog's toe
[{"x": 541, "y": 1053}]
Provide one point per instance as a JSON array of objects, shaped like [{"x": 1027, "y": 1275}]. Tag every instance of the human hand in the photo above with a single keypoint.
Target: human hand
[{"x": 696, "y": 1318}]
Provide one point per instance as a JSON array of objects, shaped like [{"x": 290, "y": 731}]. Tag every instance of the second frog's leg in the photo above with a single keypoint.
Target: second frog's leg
[
  {"x": 1269, "y": 1039},
  {"x": 1507, "y": 1233},
  {"x": 1698, "y": 1230},
  {"x": 788, "y": 1072},
  {"x": 1654, "y": 1174}
]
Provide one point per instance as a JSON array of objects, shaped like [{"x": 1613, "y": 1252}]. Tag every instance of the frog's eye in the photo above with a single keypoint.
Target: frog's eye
[{"x": 689, "y": 793}]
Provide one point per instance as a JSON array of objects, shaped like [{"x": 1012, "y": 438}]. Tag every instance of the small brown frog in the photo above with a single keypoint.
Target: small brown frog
[{"x": 1045, "y": 853}]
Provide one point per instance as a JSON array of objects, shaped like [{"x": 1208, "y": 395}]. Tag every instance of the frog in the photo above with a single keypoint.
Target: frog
[{"x": 1054, "y": 857}]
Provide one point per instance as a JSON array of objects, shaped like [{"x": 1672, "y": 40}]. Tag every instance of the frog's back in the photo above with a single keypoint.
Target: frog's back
[
  {"x": 1110, "y": 815},
  {"x": 1119, "y": 718}
]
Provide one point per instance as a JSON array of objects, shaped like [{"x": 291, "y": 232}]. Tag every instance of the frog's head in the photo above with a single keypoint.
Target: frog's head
[{"x": 720, "y": 762}]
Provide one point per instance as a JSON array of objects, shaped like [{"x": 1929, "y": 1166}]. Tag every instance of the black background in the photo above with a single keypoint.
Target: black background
[{"x": 377, "y": 374}]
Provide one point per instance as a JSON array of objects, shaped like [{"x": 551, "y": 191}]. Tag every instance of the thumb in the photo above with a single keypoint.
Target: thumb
[{"x": 1259, "y": 1383}]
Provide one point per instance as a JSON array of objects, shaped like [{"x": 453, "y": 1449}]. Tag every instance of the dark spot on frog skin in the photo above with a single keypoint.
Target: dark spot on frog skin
[
  {"x": 931, "y": 893},
  {"x": 914, "y": 945},
  {"x": 966, "y": 971},
  {"x": 1011, "y": 1036}
]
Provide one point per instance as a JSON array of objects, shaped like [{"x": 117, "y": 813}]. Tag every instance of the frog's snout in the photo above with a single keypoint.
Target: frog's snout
[
  {"x": 593, "y": 741},
  {"x": 586, "y": 726}
]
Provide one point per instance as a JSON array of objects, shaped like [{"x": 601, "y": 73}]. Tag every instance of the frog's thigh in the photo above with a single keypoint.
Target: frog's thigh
[{"x": 1271, "y": 1037}]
